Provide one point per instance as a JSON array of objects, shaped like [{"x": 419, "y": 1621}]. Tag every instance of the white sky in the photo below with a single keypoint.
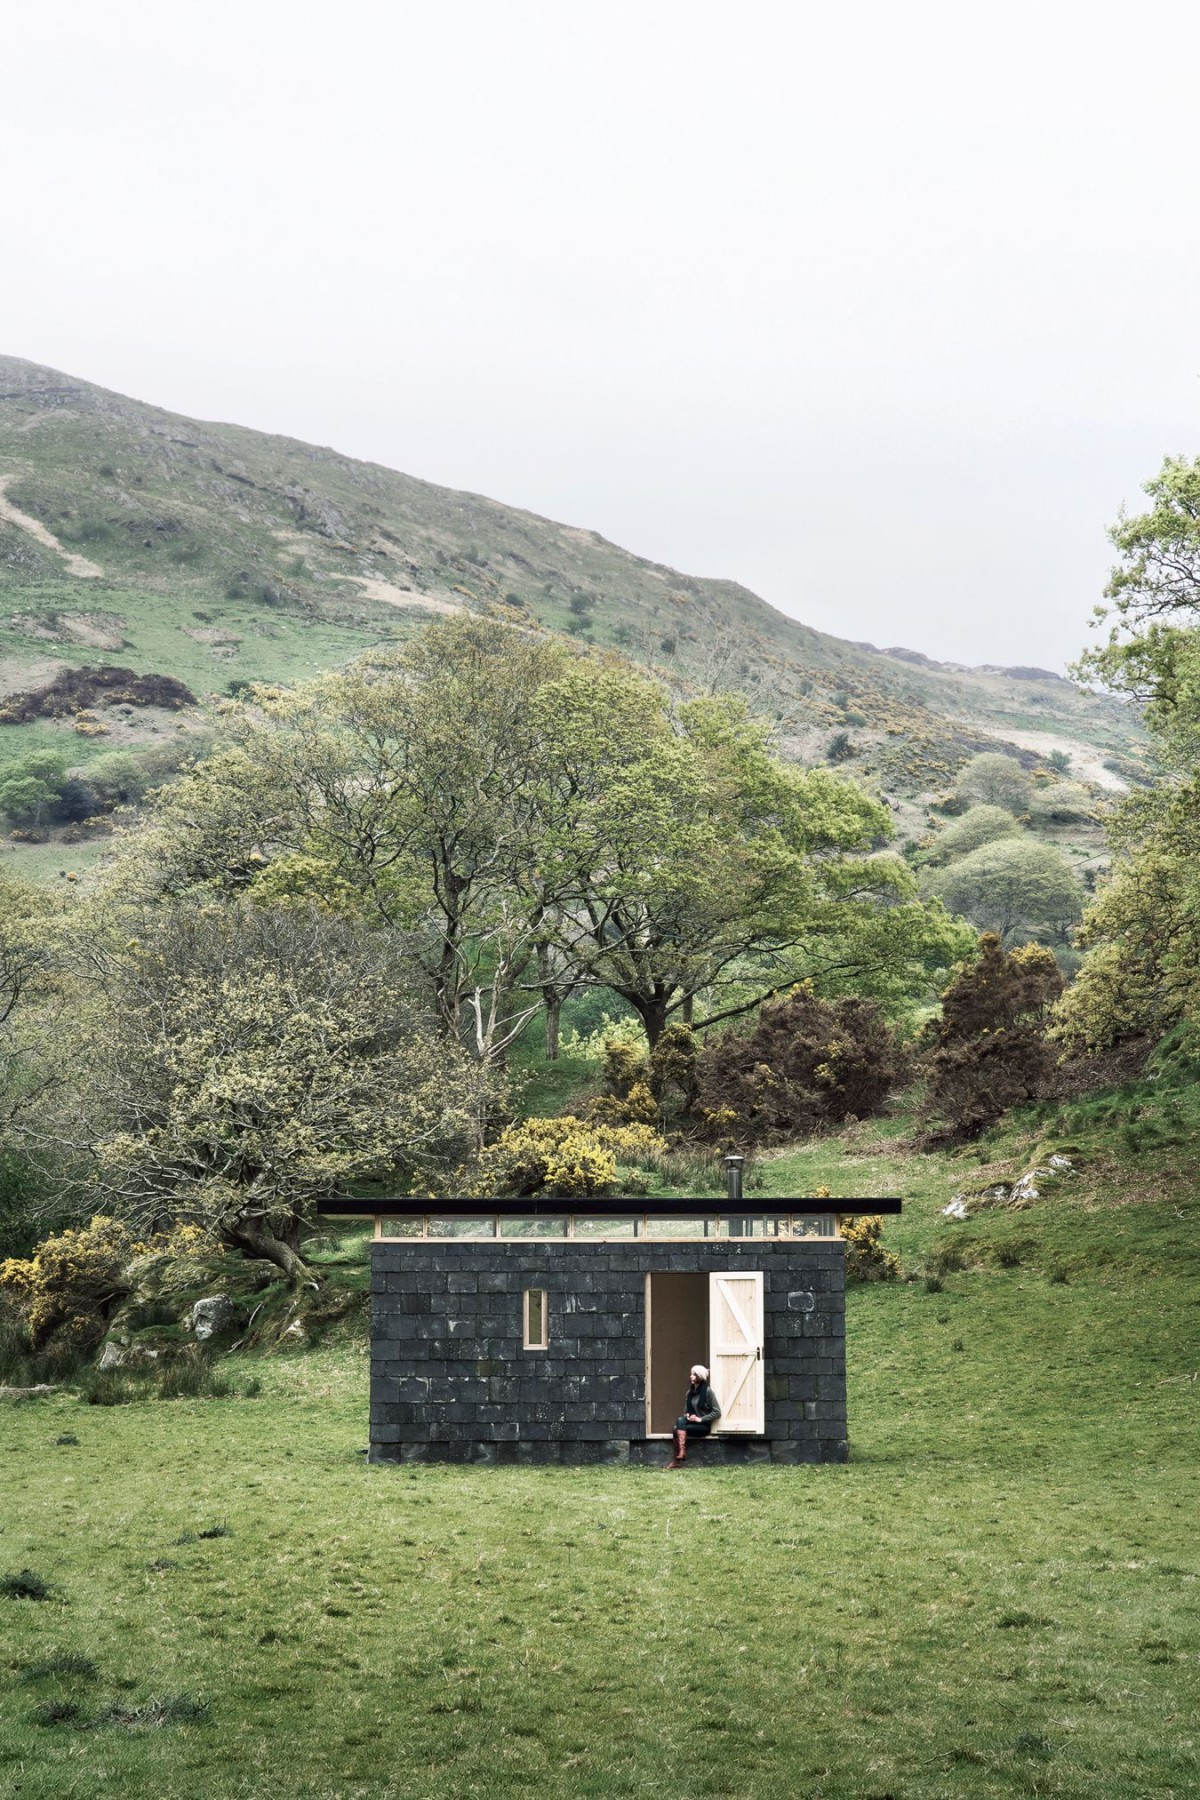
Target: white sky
[{"x": 882, "y": 309}]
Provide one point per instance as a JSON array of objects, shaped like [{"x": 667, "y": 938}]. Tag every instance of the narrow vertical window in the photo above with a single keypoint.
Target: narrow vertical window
[{"x": 536, "y": 1322}]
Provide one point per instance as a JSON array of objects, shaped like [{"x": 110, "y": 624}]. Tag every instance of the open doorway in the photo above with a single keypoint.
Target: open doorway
[
  {"x": 715, "y": 1319},
  {"x": 676, "y": 1337}
]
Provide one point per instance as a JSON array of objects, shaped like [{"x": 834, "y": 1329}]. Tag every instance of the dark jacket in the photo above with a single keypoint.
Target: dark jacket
[{"x": 703, "y": 1402}]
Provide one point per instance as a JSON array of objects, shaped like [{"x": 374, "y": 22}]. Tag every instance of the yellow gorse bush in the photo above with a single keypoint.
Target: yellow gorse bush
[
  {"x": 73, "y": 1278},
  {"x": 866, "y": 1258},
  {"x": 566, "y": 1156}
]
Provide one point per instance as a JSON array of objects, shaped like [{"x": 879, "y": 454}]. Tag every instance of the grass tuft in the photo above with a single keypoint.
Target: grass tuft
[
  {"x": 64, "y": 1665},
  {"x": 26, "y": 1584},
  {"x": 165, "y": 1709},
  {"x": 1032, "y": 1743},
  {"x": 57, "y": 1712}
]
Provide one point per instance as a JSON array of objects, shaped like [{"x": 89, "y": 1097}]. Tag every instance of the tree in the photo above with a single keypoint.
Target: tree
[
  {"x": 990, "y": 1051},
  {"x": 230, "y": 1066},
  {"x": 1143, "y": 943},
  {"x": 1152, "y": 650},
  {"x": 709, "y": 854},
  {"x": 995, "y": 780},
  {"x": 30, "y": 920},
  {"x": 117, "y": 778},
  {"x": 1016, "y": 887},
  {"x": 980, "y": 825},
  {"x": 1141, "y": 973},
  {"x": 30, "y": 787},
  {"x": 889, "y": 947},
  {"x": 408, "y": 789},
  {"x": 1061, "y": 803},
  {"x": 534, "y": 818}
]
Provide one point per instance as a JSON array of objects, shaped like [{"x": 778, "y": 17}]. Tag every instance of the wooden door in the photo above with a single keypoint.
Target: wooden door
[{"x": 735, "y": 1323}]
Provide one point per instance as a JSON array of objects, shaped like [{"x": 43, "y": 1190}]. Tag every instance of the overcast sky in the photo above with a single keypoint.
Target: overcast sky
[{"x": 881, "y": 309}]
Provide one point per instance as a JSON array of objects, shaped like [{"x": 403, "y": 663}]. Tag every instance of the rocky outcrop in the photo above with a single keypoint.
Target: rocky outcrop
[
  {"x": 211, "y": 1316},
  {"x": 1017, "y": 1195}
]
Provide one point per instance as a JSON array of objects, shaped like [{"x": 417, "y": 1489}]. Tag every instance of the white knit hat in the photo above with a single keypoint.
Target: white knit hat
[{"x": 700, "y": 1370}]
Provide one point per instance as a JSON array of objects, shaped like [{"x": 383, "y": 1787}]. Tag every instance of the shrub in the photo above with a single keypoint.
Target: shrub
[
  {"x": 1062, "y": 803},
  {"x": 104, "y": 1387},
  {"x": 808, "y": 1062},
  {"x": 673, "y": 1067},
  {"x": 72, "y": 1280},
  {"x": 57, "y": 1712},
  {"x": 628, "y": 1098},
  {"x": 866, "y": 1258},
  {"x": 549, "y": 1156},
  {"x": 71, "y": 1283},
  {"x": 592, "y": 1046},
  {"x": 567, "y": 1157},
  {"x": 989, "y": 1051},
  {"x": 191, "y": 1376},
  {"x": 164, "y": 1709}
]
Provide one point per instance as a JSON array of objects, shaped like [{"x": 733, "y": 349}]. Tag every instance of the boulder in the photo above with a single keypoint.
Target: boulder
[{"x": 212, "y": 1315}]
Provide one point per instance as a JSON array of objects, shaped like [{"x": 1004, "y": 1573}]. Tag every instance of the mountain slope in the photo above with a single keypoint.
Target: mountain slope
[{"x": 133, "y": 536}]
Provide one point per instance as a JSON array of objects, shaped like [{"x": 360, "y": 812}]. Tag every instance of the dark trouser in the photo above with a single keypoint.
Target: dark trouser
[{"x": 693, "y": 1430}]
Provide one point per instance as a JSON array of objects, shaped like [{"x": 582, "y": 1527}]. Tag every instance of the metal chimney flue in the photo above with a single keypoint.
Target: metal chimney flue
[{"x": 734, "y": 1166}]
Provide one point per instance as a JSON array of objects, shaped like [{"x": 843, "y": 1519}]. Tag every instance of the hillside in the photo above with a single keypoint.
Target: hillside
[{"x": 211, "y": 553}]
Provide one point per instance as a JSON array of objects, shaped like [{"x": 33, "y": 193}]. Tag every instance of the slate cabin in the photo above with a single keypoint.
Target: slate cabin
[{"x": 540, "y": 1331}]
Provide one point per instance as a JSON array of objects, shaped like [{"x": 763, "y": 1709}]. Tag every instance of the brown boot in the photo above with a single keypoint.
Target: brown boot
[{"x": 680, "y": 1456}]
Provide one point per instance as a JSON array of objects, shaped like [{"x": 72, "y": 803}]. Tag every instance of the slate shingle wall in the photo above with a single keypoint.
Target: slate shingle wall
[{"x": 451, "y": 1380}]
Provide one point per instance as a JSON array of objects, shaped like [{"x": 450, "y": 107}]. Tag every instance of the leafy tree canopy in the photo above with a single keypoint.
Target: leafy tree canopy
[
  {"x": 1152, "y": 651},
  {"x": 1015, "y": 887},
  {"x": 996, "y": 780},
  {"x": 981, "y": 825},
  {"x": 536, "y": 819},
  {"x": 228, "y": 1066},
  {"x": 1141, "y": 931}
]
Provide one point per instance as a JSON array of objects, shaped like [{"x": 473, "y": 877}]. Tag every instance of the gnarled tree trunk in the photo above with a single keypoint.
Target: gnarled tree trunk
[{"x": 254, "y": 1238}]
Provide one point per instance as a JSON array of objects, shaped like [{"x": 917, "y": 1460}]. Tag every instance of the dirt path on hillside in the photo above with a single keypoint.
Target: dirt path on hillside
[
  {"x": 391, "y": 595},
  {"x": 76, "y": 565},
  {"x": 1087, "y": 763}
]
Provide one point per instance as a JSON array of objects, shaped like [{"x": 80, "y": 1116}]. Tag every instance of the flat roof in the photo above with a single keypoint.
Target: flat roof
[{"x": 615, "y": 1206}]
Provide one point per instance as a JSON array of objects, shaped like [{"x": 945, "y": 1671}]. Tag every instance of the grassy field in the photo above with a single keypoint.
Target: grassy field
[{"x": 1000, "y": 1594}]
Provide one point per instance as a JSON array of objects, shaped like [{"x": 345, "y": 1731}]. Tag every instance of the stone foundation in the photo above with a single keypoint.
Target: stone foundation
[{"x": 651, "y": 1453}]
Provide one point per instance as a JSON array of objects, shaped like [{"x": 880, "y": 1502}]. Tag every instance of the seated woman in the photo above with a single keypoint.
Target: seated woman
[{"x": 701, "y": 1410}]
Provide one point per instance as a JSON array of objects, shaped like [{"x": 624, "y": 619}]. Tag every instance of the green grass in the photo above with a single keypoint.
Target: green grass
[
  {"x": 45, "y": 862},
  {"x": 999, "y": 1595}
]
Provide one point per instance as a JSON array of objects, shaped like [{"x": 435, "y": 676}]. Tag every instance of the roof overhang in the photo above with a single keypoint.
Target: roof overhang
[{"x": 613, "y": 1207}]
